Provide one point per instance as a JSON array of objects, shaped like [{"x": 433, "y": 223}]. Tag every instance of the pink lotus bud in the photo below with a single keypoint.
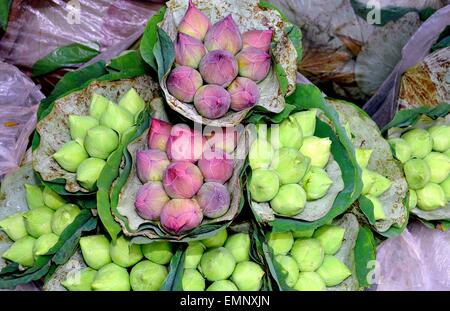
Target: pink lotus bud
[
  {"x": 218, "y": 67},
  {"x": 194, "y": 22},
  {"x": 183, "y": 82},
  {"x": 189, "y": 50},
  {"x": 216, "y": 166},
  {"x": 159, "y": 134},
  {"x": 182, "y": 180},
  {"x": 214, "y": 199},
  {"x": 224, "y": 35},
  {"x": 212, "y": 101},
  {"x": 150, "y": 164},
  {"x": 253, "y": 63},
  {"x": 150, "y": 200},
  {"x": 180, "y": 215},
  {"x": 222, "y": 138},
  {"x": 185, "y": 144},
  {"x": 244, "y": 93},
  {"x": 259, "y": 39}
]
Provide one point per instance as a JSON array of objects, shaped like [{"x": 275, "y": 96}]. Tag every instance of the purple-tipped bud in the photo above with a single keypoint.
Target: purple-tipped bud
[
  {"x": 185, "y": 144},
  {"x": 183, "y": 82},
  {"x": 259, "y": 39},
  {"x": 189, "y": 50},
  {"x": 159, "y": 134},
  {"x": 151, "y": 164},
  {"x": 222, "y": 138},
  {"x": 214, "y": 199},
  {"x": 150, "y": 200},
  {"x": 244, "y": 93},
  {"x": 253, "y": 63},
  {"x": 212, "y": 101},
  {"x": 218, "y": 67},
  {"x": 182, "y": 180},
  {"x": 216, "y": 166},
  {"x": 180, "y": 215},
  {"x": 224, "y": 35},
  {"x": 194, "y": 22}
]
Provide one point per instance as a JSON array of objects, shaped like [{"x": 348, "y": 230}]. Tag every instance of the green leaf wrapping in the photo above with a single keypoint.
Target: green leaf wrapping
[
  {"x": 365, "y": 254},
  {"x": 4, "y": 13},
  {"x": 149, "y": 38}
]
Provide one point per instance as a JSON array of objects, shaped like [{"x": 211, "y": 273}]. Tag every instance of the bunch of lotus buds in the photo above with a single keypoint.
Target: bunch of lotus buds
[{"x": 217, "y": 67}]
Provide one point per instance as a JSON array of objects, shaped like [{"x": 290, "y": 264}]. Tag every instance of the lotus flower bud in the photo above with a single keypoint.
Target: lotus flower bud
[
  {"x": 244, "y": 94},
  {"x": 224, "y": 35},
  {"x": 412, "y": 199},
  {"x": 303, "y": 234},
  {"x": 445, "y": 187},
  {"x": 217, "y": 240},
  {"x": 158, "y": 252},
  {"x": 214, "y": 199},
  {"x": 44, "y": 243},
  {"x": 239, "y": 245},
  {"x": 420, "y": 142},
  {"x": 218, "y": 67},
  {"x": 100, "y": 141},
  {"x": 181, "y": 215},
  {"x": 95, "y": 250},
  {"x": 379, "y": 185},
  {"x": 289, "y": 201},
  {"x": 447, "y": 153},
  {"x": 193, "y": 254},
  {"x": 316, "y": 183},
  {"x": 333, "y": 271},
  {"x": 182, "y": 180},
  {"x": 290, "y": 134},
  {"x": 217, "y": 264},
  {"x": 150, "y": 200},
  {"x": 309, "y": 281},
  {"x": 148, "y": 276},
  {"x": 248, "y": 276},
  {"x": 289, "y": 267},
  {"x": 212, "y": 101},
  {"x": 14, "y": 226},
  {"x": 368, "y": 178},
  {"x": 222, "y": 286},
  {"x": 159, "y": 134},
  {"x": 290, "y": 165},
  {"x": 79, "y": 280},
  {"x": 261, "y": 154},
  {"x": 330, "y": 237},
  {"x": 117, "y": 118},
  {"x": 308, "y": 254},
  {"x": 363, "y": 156},
  {"x": 216, "y": 166},
  {"x": 89, "y": 171},
  {"x": 183, "y": 82},
  {"x": 253, "y": 64},
  {"x": 132, "y": 102},
  {"x": 98, "y": 105},
  {"x": 38, "y": 221},
  {"x": 417, "y": 173},
  {"x": 70, "y": 155},
  {"x": 63, "y": 217},
  {"x": 439, "y": 165},
  {"x": 280, "y": 242},
  {"x": 151, "y": 164},
  {"x": 259, "y": 39},
  {"x": 21, "y": 252},
  {"x": 79, "y": 125},
  {"x": 111, "y": 278},
  {"x": 431, "y": 197},
  {"x": 52, "y": 199},
  {"x": 34, "y": 196},
  {"x": 402, "y": 150},
  {"x": 378, "y": 210},
  {"x": 307, "y": 121},
  {"x": 192, "y": 281},
  {"x": 317, "y": 149},
  {"x": 125, "y": 254},
  {"x": 194, "y": 22},
  {"x": 222, "y": 138},
  {"x": 440, "y": 136},
  {"x": 189, "y": 50},
  {"x": 185, "y": 144},
  {"x": 264, "y": 185}
]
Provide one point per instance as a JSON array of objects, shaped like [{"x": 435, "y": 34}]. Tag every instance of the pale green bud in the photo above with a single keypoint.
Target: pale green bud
[
  {"x": 303, "y": 233},
  {"x": 417, "y": 173},
  {"x": 44, "y": 243},
  {"x": 239, "y": 245},
  {"x": 34, "y": 196},
  {"x": 125, "y": 254},
  {"x": 261, "y": 154},
  {"x": 420, "y": 142},
  {"x": 217, "y": 239},
  {"x": 445, "y": 186},
  {"x": 363, "y": 156},
  {"x": 14, "y": 226},
  {"x": 63, "y": 217},
  {"x": 80, "y": 280},
  {"x": 431, "y": 197},
  {"x": 317, "y": 149},
  {"x": 280, "y": 242},
  {"x": 287, "y": 134},
  {"x": 440, "y": 135},
  {"x": 330, "y": 237},
  {"x": 333, "y": 271},
  {"x": 378, "y": 210},
  {"x": 132, "y": 102},
  {"x": 148, "y": 276},
  {"x": 380, "y": 185},
  {"x": 217, "y": 264},
  {"x": 89, "y": 171},
  {"x": 447, "y": 153},
  {"x": 111, "y": 278},
  {"x": 308, "y": 254},
  {"x": 307, "y": 121},
  {"x": 159, "y": 252},
  {"x": 439, "y": 165},
  {"x": 290, "y": 268},
  {"x": 316, "y": 183},
  {"x": 79, "y": 125},
  {"x": 264, "y": 185},
  {"x": 52, "y": 199},
  {"x": 38, "y": 221},
  {"x": 290, "y": 165},
  {"x": 193, "y": 254},
  {"x": 402, "y": 150},
  {"x": 309, "y": 281},
  {"x": 70, "y": 155},
  {"x": 289, "y": 201},
  {"x": 95, "y": 250},
  {"x": 21, "y": 252},
  {"x": 98, "y": 105},
  {"x": 368, "y": 178},
  {"x": 248, "y": 276},
  {"x": 412, "y": 199},
  {"x": 192, "y": 281},
  {"x": 222, "y": 286},
  {"x": 117, "y": 118},
  {"x": 100, "y": 141}
]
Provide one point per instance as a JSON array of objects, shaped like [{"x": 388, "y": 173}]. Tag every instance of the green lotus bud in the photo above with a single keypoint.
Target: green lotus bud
[
  {"x": 80, "y": 280},
  {"x": 216, "y": 240},
  {"x": 289, "y": 201},
  {"x": 125, "y": 254},
  {"x": 95, "y": 250},
  {"x": 217, "y": 264},
  {"x": 239, "y": 246},
  {"x": 38, "y": 221},
  {"x": 70, "y": 155},
  {"x": 21, "y": 252},
  {"x": 412, "y": 199},
  {"x": 261, "y": 154},
  {"x": 302, "y": 234},
  {"x": 447, "y": 153},
  {"x": 79, "y": 125},
  {"x": 222, "y": 286},
  {"x": 316, "y": 183},
  {"x": 289, "y": 267},
  {"x": 98, "y": 105},
  {"x": 368, "y": 179},
  {"x": 52, "y": 199},
  {"x": 192, "y": 281},
  {"x": 148, "y": 276},
  {"x": 248, "y": 276},
  {"x": 440, "y": 135},
  {"x": 34, "y": 196},
  {"x": 417, "y": 173},
  {"x": 308, "y": 254},
  {"x": 44, "y": 243},
  {"x": 380, "y": 185},
  {"x": 193, "y": 254},
  {"x": 264, "y": 185},
  {"x": 158, "y": 252},
  {"x": 333, "y": 271},
  {"x": 280, "y": 242},
  {"x": 14, "y": 226},
  {"x": 420, "y": 142},
  {"x": 307, "y": 121},
  {"x": 111, "y": 278},
  {"x": 402, "y": 150},
  {"x": 89, "y": 171},
  {"x": 330, "y": 237},
  {"x": 290, "y": 165},
  {"x": 132, "y": 102},
  {"x": 309, "y": 281},
  {"x": 63, "y": 217},
  {"x": 431, "y": 197},
  {"x": 317, "y": 149},
  {"x": 290, "y": 134},
  {"x": 439, "y": 165},
  {"x": 117, "y": 118},
  {"x": 363, "y": 156},
  {"x": 100, "y": 141},
  {"x": 378, "y": 210}
]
